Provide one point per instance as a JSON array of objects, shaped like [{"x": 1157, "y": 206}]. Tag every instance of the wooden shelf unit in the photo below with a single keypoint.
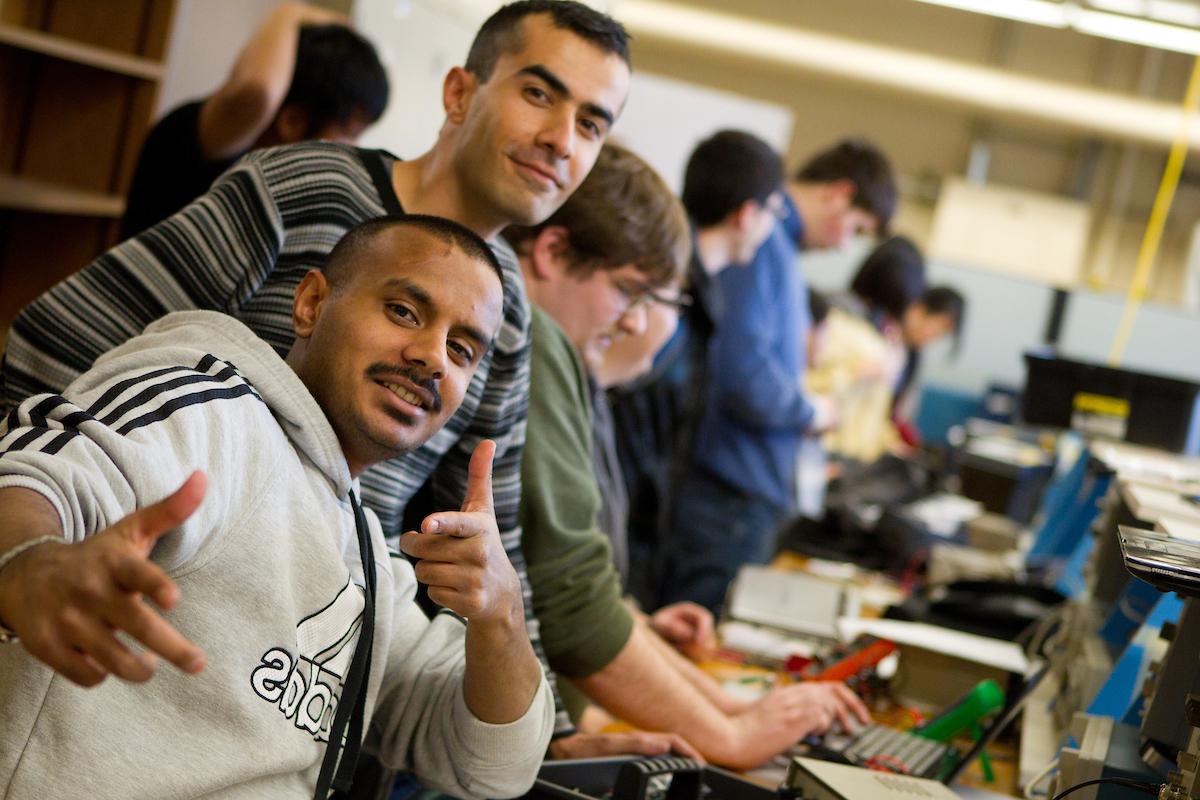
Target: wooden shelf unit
[
  {"x": 89, "y": 55},
  {"x": 27, "y": 194},
  {"x": 78, "y": 80}
]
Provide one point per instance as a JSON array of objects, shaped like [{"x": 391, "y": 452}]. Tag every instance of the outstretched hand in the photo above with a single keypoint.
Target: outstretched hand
[
  {"x": 462, "y": 558},
  {"x": 66, "y": 602}
]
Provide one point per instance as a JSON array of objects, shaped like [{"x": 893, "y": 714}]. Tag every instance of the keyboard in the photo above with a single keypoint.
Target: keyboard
[{"x": 886, "y": 748}]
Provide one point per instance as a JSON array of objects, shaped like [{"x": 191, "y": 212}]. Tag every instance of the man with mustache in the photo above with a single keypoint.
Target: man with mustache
[
  {"x": 525, "y": 119},
  {"x": 288, "y": 626}
]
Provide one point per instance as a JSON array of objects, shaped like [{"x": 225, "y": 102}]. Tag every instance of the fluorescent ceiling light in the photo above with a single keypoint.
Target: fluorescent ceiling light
[
  {"x": 1137, "y": 31},
  {"x": 1128, "y": 24},
  {"x": 1038, "y": 12},
  {"x": 965, "y": 84},
  {"x": 1174, "y": 12},
  {"x": 1133, "y": 8}
]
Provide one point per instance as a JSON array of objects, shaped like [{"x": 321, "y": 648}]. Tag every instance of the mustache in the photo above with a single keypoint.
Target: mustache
[{"x": 382, "y": 371}]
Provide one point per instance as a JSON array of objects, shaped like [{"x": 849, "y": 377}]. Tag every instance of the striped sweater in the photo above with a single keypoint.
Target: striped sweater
[{"x": 242, "y": 249}]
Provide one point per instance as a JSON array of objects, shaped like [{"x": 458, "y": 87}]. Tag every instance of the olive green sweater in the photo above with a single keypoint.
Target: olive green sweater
[{"x": 576, "y": 589}]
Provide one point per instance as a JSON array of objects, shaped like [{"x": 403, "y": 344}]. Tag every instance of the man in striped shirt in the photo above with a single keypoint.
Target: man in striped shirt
[{"x": 525, "y": 119}]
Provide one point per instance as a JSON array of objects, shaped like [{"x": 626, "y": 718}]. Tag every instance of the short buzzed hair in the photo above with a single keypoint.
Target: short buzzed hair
[
  {"x": 726, "y": 170},
  {"x": 863, "y": 164},
  {"x": 622, "y": 213},
  {"x": 355, "y": 242},
  {"x": 501, "y": 32}
]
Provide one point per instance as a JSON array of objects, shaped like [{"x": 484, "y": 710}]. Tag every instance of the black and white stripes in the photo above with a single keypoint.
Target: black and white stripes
[
  {"x": 48, "y": 422},
  {"x": 242, "y": 249}
]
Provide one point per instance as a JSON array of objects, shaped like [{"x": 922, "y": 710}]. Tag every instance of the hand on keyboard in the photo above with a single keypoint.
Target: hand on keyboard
[{"x": 787, "y": 714}]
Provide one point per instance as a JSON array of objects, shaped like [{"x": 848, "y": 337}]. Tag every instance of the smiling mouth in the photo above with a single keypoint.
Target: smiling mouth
[
  {"x": 412, "y": 398},
  {"x": 538, "y": 173}
]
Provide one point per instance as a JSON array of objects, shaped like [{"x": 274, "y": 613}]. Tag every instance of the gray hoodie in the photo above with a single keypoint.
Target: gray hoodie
[{"x": 270, "y": 577}]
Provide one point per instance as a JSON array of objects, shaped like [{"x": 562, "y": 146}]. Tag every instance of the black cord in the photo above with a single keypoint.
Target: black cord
[{"x": 1141, "y": 786}]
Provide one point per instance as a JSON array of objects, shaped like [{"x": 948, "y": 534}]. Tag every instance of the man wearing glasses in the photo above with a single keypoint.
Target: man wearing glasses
[{"x": 592, "y": 270}]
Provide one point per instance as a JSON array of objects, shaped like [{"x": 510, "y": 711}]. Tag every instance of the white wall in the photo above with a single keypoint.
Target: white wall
[
  {"x": 665, "y": 118},
  {"x": 419, "y": 40},
  {"x": 206, "y": 36},
  {"x": 1007, "y": 316}
]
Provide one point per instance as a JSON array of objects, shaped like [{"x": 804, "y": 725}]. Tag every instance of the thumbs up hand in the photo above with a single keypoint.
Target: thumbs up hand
[
  {"x": 462, "y": 559},
  {"x": 66, "y": 602}
]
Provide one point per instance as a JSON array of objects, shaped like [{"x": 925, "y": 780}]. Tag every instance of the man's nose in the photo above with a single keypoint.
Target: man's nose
[{"x": 558, "y": 135}]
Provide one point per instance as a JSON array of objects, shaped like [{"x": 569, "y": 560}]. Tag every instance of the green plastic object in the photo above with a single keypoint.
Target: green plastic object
[{"x": 986, "y": 698}]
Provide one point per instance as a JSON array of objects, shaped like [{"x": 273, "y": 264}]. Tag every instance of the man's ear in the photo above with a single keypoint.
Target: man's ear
[
  {"x": 549, "y": 253},
  {"x": 743, "y": 216},
  {"x": 457, "y": 90},
  {"x": 292, "y": 124},
  {"x": 307, "y": 304}
]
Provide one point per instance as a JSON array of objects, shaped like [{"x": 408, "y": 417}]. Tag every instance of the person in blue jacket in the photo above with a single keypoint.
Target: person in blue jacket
[{"x": 739, "y": 484}]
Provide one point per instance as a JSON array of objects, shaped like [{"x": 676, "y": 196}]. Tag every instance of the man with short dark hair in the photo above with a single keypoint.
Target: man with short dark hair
[
  {"x": 739, "y": 479},
  {"x": 732, "y": 191},
  {"x": 591, "y": 269},
  {"x": 289, "y": 627},
  {"x": 302, "y": 75},
  {"x": 513, "y": 147}
]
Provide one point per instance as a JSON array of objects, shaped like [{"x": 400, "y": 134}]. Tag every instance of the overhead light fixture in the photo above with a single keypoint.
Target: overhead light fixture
[
  {"x": 1174, "y": 11},
  {"x": 1037, "y": 12},
  {"x": 894, "y": 70},
  {"x": 1133, "y": 8},
  {"x": 1119, "y": 20},
  {"x": 1137, "y": 31}
]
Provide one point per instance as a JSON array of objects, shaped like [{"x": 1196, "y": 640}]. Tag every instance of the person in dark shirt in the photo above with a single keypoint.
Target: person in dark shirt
[
  {"x": 733, "y": 190},
  {"x": 738, "y": 483},
  {"x": 303, "y": 75}
]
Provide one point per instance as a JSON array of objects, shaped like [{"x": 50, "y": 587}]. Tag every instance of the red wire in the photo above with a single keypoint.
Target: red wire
[{"x": 886, "y": 763}]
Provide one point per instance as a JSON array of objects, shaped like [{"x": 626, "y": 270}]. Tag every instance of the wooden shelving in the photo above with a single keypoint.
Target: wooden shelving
[
  {"x": 69, "y": 50},
  {"x": 78, "y": 80},
  {"x": 27, "y": 194}
]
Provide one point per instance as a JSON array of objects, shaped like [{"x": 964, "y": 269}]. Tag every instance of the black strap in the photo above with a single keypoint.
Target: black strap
[
  {"x": 377, "y": 162},
  {"x": 352, "y": 705}
]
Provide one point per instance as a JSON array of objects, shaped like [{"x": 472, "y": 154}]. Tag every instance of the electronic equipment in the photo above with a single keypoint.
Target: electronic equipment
[
  {"x": 1171, "y": 564},
  {"x": 912, "y": 752},
  {"x": 633, "y": 778},
  {"x": 790, "y": 601},
  {"x": 890, "y": 750},
  {"x": 810, "y": 779}
]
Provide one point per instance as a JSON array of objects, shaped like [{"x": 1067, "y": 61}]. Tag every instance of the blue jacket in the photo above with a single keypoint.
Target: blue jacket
[{"x": 755, "y": 411}]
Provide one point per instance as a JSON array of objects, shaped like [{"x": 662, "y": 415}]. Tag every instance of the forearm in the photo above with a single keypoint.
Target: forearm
[
  {"x": 242, "y": 108},
  {"x": 641, "y": 687},
  {"x": 502, "y": 672},
  {"x": 27, "y": 516},
  {"x": 701, "y": 681}
]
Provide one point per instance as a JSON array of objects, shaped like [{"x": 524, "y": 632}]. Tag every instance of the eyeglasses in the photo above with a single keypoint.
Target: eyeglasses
[{"x": 638, "y": 295}]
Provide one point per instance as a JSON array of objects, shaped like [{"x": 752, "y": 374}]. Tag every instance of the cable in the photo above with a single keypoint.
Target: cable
[
  {"x": 1141, "y": 786},
  {"x": 1029, "y": 790},
  {"x": 882, "y": 762}
]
